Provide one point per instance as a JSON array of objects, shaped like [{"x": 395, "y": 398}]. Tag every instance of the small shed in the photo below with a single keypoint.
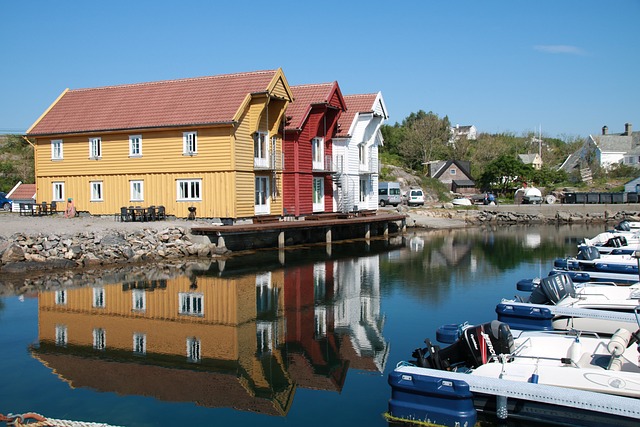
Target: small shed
[
  {"x": 22, "y": 193},
  {"x": 632, "y": 186}
]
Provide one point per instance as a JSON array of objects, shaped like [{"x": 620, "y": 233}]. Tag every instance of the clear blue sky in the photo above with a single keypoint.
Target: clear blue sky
[{"x": 567, "y": 66}]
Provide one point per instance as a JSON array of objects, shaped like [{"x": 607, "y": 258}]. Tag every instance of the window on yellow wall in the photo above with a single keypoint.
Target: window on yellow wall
[
  {"x": 188, "y": 189},
  {"x": 95, "y": 148},
  {"x": 96, "y": 191},
  {"x": 136, "y": 190},
  {"x": 56, "y": 149},
  {"x": 190, "y": 143},
  {"x": 58, "y": 191},
  {"x": 135, "y": 145}
]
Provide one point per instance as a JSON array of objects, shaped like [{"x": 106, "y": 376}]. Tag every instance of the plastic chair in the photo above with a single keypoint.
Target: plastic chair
[
  {"x": 124, "y": 214},
  {"x": 151, "y": 213}
]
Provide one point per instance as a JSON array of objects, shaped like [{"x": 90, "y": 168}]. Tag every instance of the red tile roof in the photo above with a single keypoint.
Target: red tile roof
[
  {"x": 184, "y": 102},
  {"x": 23, "y": 192},
  {"x": 355, "y": 104},
  {"x": 305, "y": 96}
]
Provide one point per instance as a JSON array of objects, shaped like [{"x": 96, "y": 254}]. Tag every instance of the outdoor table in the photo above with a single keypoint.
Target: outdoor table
[{"x": 138, "y": 213}]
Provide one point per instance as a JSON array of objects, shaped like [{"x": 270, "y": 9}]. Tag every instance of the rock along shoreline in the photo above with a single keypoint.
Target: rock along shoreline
[{"x": 32, "y": 251}]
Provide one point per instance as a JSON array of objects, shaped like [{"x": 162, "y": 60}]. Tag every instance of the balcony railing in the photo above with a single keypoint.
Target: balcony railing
[
  {"x": 326, "y": 166},
  {"x": 273, "y": 161}
]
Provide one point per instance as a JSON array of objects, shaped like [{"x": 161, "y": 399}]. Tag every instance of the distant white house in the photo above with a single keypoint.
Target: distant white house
[
  {"x": 459, "y": 132},
  {"x": 606, "y": 150}
]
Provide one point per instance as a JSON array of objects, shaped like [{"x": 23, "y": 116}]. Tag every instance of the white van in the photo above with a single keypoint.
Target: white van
[
  {"x": 389, "y": 193},
  {"x": 414, "y": 197}
]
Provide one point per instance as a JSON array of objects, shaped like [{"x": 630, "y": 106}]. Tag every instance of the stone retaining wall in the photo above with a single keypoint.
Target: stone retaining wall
[{"x": 23, "y": 253}]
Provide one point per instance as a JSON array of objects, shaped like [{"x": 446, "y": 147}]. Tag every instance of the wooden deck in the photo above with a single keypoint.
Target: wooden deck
[{"x": 320, "y": 228}]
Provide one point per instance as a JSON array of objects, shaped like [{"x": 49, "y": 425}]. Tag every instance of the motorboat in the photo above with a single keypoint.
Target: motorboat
[
  {"x": 621, "y": 268},
  {"x": 554, "y": 378},
  {"x": 556, "y": 303}
]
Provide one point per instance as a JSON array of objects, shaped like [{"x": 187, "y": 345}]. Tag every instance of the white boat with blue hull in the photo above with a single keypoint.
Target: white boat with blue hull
[
  {"x": 590, "y": 265},
  {"x": 547, "y": 377},
  {"x": 556, "y": 303}
]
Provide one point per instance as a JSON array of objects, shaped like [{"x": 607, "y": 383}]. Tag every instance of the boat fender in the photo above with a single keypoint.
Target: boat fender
[
  {"x": 448, "y": 333},
  {"x": 575, "y": 351},
  {"x": 619, "y": 342}
]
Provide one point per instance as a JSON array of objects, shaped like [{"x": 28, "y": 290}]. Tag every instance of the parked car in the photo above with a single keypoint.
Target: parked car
[
  {"x": 5, "y": 203},
  {"x": 389, "y": 193},
  {"x": 413, "y": 197}
]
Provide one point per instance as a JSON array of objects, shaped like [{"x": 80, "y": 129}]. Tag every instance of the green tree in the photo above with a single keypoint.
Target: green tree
[
  {"x": 425, "y": 138},
  {"x": 16, "y": 162},
  {"x": 504, "y": 172}
]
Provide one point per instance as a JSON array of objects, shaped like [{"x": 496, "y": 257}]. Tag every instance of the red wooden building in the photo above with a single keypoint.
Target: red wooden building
[{"x": 307, "y": 139}]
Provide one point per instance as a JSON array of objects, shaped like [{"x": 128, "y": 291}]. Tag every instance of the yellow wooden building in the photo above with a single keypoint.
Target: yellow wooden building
[{"x": 211, "y": 143}]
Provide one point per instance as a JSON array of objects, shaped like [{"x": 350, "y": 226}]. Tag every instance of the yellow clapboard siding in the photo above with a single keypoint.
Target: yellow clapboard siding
[{"x": 224, "y": 162}]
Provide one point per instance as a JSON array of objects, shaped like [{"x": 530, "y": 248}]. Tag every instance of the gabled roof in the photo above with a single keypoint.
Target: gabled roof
[
  {"x": 462, "y": 165},
  {"x": 308, "y": 96},
  {"x": 184, "y": 102},
  {"x": 23, "y": 192},
  {"x": 528, "y": 159},
  {"x": 358, "y": 104},
  {"x": 616, "y": 142}
]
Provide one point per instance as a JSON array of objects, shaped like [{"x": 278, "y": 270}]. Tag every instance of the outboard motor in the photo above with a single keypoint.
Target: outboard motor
[
  {"x": 553, "y": 289},
  {"x": 588, "y": 253},
  {"x": 477, "y": 345},
  {"x": 623, "y": 226}
]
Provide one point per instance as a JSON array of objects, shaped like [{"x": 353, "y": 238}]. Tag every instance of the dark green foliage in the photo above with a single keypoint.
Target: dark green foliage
[{"x": 16, "y": 162}]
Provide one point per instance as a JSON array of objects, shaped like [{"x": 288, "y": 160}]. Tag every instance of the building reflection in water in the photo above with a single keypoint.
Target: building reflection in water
[{"x": 243, "y": 341}]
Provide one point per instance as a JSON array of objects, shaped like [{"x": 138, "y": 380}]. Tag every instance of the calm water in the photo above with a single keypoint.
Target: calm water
[{"x": 303, "y": 337}]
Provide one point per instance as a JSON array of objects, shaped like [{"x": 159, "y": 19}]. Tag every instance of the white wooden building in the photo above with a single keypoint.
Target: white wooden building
[{"x": 355, "y": 152}]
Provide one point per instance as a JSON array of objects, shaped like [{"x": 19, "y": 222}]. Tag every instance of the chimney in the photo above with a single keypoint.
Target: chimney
[
  {"x": 604, "y": 130},
  {"x": 627, "y": 129}
]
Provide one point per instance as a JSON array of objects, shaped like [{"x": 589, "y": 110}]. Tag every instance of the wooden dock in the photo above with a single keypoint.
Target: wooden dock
[{"x": 321, "y": 228}]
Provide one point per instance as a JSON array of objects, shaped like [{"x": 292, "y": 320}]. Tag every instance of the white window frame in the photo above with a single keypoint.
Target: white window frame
[
  {"x": 56, "y": 149},
  {"x": 260, "y": 149},
  {"x": 188, "y": 189},
  {"x": 58, "y": 191},
  {"x": 97, "y": 191},
  {"x": 139, "y": 343},
  {"x": 99, "y": 339},
  {"x": 136, "y": 190},
  {"x": 190, "y": 143},
  {"x": 317, "y": 153},
  {"x": 139, "y": 300},
  {"x": 95, "y": 148},
  {"x": 362, "y": 154},
  {"x": 452, "y": 171},
  {"x": 99, "y": 298},
  {"x": 318, "y": 194},
  {"x": 61, "y": 297},
  {"x": 262, "y": 196},
  {"x": 363, "y": 187},
  {"x": 135, "y": 145},
  {"x": 194, "y": 350},
  {"x": 61, "y": 335},
  {"x": 191, "y": 304}
]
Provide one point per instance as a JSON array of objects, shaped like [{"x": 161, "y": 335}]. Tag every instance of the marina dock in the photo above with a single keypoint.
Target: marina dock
[{"x": 280, "y": 233}]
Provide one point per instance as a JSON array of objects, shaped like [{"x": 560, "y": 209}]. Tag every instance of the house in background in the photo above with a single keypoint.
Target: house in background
[
  {"x": 212, "y": 143},
  {"x": 22, "y": 193},
  {"x": 455, "y": 174},
  {"x": 311, "y": 123},
  {"x": 459, "y": 132},
  {"x": 355, "y": 152},
  {"x": 531, "y": 159},
  {"x": 605, "y": 150}
]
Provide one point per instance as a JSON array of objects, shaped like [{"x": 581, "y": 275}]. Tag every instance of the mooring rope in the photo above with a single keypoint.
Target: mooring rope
[{"x": 31, "y": 419}]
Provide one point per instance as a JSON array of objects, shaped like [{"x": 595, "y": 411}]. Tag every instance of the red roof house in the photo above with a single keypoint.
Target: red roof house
[{"x": 311, "y": 122}]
